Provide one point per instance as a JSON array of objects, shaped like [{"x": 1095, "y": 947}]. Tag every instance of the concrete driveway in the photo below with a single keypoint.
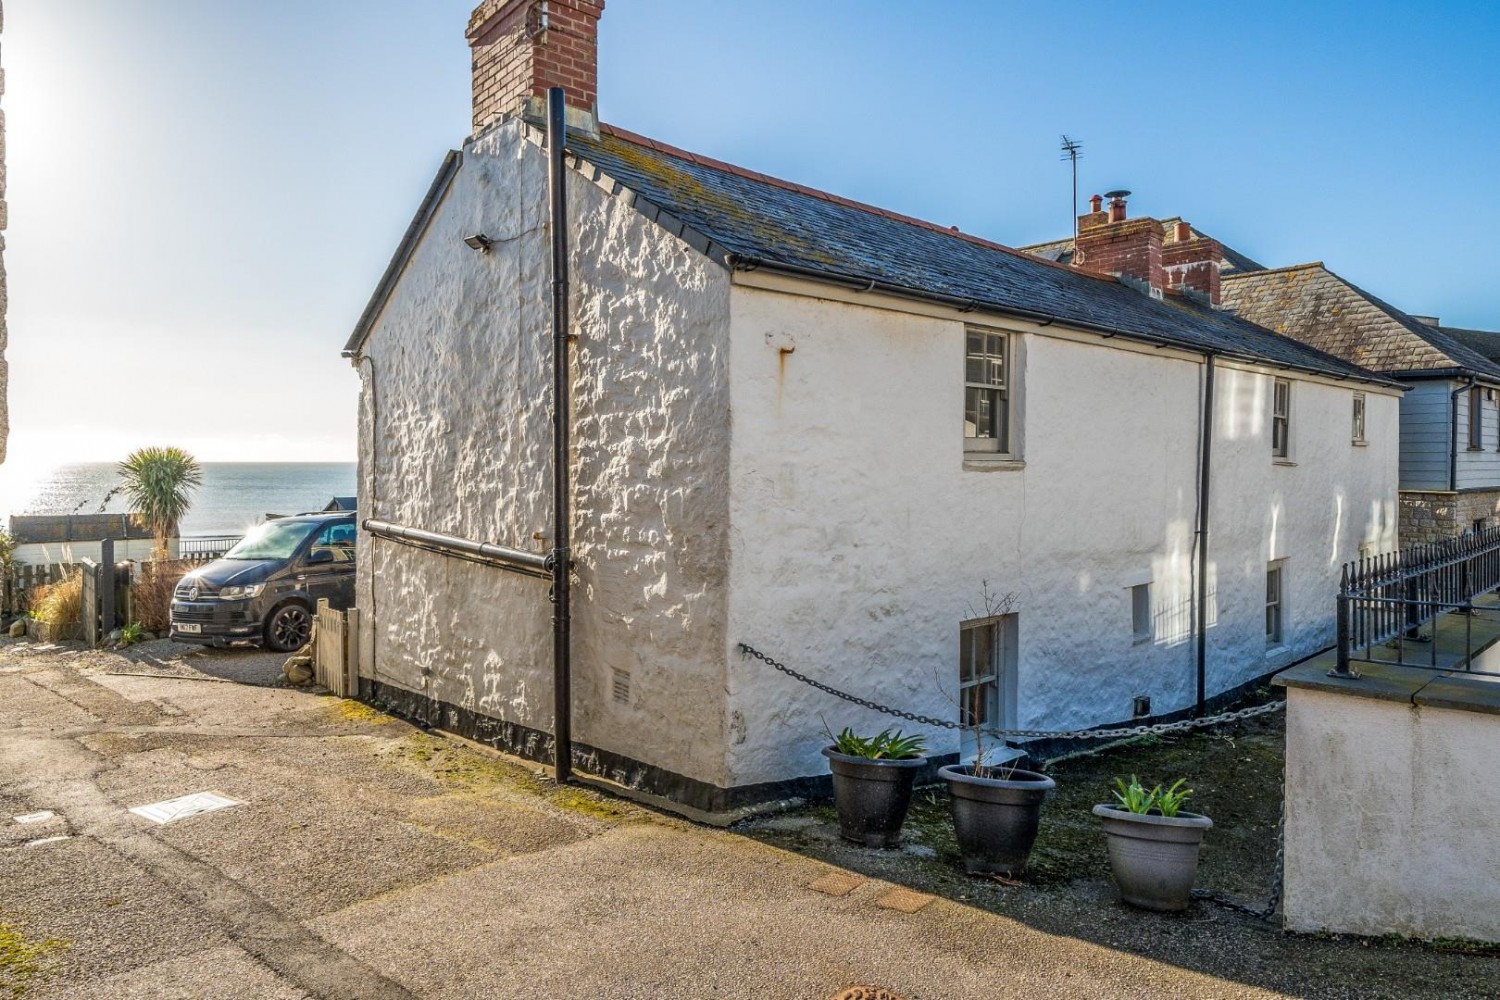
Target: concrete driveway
[{"x": 368, "y": 859}]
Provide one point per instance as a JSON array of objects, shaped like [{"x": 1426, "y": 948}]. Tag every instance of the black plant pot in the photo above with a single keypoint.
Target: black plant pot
[
  {"x": 995, "y": 819},
  {"x": 872, "y": 796}
]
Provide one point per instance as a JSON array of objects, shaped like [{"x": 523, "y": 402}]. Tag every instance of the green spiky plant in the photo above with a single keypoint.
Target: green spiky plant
[
  {"x": 1137, "y": 798},
  {"x": 159, "y": 483},
  {"x": 888, "y": 744}
]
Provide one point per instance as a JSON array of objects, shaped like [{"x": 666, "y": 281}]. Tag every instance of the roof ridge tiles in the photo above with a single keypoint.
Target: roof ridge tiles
[
  {"x": 1275, "y": 270},
  {"x": 786, "y": 185}
]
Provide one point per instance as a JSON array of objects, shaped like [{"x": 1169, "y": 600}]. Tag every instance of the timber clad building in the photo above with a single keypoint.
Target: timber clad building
[{"x": 917, "y": 465}]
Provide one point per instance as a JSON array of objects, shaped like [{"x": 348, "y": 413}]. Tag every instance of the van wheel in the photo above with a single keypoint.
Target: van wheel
[{"x": 289, "y": 628}]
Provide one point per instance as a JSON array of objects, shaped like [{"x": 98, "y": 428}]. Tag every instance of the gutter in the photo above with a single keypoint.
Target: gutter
[
  {"x": 738, "y": 262},
  {"x": 1453, "y": 431}
]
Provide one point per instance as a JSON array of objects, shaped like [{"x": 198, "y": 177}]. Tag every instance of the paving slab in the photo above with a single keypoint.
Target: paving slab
[{"x": 651, "y": 911}]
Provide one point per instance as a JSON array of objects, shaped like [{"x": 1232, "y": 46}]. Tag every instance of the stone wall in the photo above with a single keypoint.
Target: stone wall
[{"x": 1434, "y": 516}]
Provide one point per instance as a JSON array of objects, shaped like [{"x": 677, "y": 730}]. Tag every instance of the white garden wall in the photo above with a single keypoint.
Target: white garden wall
[{"x": 1391, "y": 805}]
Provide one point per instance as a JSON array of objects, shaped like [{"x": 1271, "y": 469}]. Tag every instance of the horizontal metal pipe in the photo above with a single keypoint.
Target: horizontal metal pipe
[{"x": 514, "y": 560}]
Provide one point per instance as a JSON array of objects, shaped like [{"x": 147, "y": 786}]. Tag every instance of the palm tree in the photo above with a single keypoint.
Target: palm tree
[{"x": 159, "y": 483}]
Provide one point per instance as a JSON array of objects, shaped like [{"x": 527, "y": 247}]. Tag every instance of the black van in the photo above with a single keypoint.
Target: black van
[{"x": 266, "y": 588}]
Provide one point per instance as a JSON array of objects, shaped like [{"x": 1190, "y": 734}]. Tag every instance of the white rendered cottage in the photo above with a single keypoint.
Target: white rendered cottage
[{"x": 822, "y": 430}]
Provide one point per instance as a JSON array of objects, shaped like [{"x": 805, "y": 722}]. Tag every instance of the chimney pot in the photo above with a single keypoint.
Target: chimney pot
[
  {"x": 1117, "y": 205},
  {"x": 1096, "y": 204},
  {"x": 1184, "y": 232}
]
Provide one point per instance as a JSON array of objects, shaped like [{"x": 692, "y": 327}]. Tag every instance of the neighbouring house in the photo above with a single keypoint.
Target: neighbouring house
[
  {"x": 914, "y": 464},
  {"x": 1450, "y": 414},
  {"x": 64, "y": 539}
]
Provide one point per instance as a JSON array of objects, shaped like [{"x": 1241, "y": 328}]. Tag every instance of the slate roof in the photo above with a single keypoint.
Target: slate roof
[
  {"x": 1062, "y": 251},
  {"x": 751, "y": 220},
  {"x": 1316, "y": 306},
  {"x": 1486, "y": 342}
]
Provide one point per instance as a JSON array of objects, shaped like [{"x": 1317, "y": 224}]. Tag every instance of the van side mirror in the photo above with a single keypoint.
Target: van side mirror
[{"x": 319, "y": 556}]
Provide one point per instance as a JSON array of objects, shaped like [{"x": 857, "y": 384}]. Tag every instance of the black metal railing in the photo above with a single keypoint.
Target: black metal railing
[
  {"x": 1390, "y": 599},
  {"x": 206, "y": 547}
]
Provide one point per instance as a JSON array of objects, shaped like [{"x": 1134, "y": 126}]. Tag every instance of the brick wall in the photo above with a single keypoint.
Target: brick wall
[
  {"x": 521, "y": 48},
  {"x": 1132, "y": 248},
  {"x": 1431, "y": 517},
  {"x": 1193, "y": 263}
]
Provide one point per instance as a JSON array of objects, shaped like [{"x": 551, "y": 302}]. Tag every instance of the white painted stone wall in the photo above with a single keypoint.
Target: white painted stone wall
[
  {"x": 1391, "y": 817},
  {"x": 814, "y": 503},
  {"x": 456, "y": 438},
  {"x": 860, "y": 539}
]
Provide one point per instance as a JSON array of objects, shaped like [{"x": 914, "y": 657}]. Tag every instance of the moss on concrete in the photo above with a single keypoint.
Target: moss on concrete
[
  {"x": 24, "y": 962},
  {"x": 463, "y": 767},
  {"x": 357, "y": 711}
]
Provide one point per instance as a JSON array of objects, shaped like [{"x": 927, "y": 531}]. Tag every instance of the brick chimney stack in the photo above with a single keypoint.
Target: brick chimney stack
[
  {"x": 1110, "y": 243},
  {"x": 1191, "y": 263},
  {"x": 522, "y": 47}
]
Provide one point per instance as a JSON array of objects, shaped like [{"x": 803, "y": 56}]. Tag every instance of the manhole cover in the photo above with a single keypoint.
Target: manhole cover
[
  {"x": 866, "y": 993},
  {"x": 837, "y": 883},
  {"x": 903, "y": 900}
]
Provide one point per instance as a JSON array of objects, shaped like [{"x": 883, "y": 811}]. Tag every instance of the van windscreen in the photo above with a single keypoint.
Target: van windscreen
[{"x": 273, "y": 540}]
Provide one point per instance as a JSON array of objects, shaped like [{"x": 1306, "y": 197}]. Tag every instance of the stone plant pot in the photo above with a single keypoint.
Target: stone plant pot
[
  {"x": 1154, "y": 857},
  {"x": 872, "y": 796},
  {"x": 995, "y": 819}
]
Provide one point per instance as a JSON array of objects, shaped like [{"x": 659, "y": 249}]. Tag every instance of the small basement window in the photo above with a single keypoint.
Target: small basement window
[
  {"x": 1140, "y": 612},
  {"x": 1275, "y": 604}
]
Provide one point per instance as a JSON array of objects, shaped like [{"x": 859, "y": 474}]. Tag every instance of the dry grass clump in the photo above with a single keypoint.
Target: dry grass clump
[
  {"x": 151, "y": 592},
  {"x": 60, "y": 603}
]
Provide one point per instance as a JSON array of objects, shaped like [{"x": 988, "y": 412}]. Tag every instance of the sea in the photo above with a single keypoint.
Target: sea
[{"x": 234, "y": 497}]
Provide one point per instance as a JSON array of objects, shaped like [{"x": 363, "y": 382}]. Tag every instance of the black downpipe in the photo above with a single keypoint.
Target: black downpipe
[
  {"x": 1204, "y": 457},
  {"x": 561, "y": 561}
]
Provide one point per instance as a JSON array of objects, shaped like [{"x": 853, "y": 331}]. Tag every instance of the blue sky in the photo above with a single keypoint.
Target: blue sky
[{"x": 204, "y": 192}]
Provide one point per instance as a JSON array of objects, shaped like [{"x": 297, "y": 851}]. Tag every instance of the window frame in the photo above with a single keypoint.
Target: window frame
[
  {"x": 1360, "y": 414},
  {"x": 1476, "y": 418},
  {"x": 1002, "y": 445},
  {"x": 1001, "y": 676},
  {"x": 1142, "y": 624},
  {"x": 1281, "y": 418},
  {"x": 1275, "y": 604}
]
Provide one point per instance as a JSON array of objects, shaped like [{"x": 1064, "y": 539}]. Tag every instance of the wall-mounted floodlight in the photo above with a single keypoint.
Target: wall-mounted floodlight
[{"x": 479, "y": 242}]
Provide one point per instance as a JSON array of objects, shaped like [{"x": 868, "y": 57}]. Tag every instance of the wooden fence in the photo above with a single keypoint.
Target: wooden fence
[
  {"x": 334, "y": 664},
  {"x": 24, "y": 579}
]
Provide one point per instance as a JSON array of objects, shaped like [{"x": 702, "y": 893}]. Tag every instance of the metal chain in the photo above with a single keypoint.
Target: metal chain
[
  {"x": 1206, "y": 895},
  {"x": 1267, "y": 911},
  {"x": 1182, "y": 726}
]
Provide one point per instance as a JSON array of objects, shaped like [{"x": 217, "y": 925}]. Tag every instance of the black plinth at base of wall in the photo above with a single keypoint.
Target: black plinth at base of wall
[{"x": 533, "y": 744}]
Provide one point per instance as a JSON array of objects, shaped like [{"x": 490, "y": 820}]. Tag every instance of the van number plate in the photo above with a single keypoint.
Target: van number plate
[{"x": 189, "y": 628}]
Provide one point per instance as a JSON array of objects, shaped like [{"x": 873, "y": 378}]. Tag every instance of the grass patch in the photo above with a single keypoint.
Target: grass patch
[
  {"x": 1235, "y": 773},
  {"x": 24, "y": 962}
]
